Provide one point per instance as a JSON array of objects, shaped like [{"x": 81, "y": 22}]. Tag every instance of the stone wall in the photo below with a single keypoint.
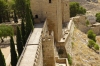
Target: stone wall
[
  {"x": 39, "y": 56},
  {"x": 68, "y": 41},
  {"x": 65, "y": 42},
  {"x": 48, "y": 50},
  {"x": 80, "y": 23}
]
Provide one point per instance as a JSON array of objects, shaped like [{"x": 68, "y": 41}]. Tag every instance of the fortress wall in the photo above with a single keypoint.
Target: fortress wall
[
  {"x": 45, "y": 28},
  {"x": 38, "y": 57},
  {"x": 48, "y": 50},
  {"x": 96, "y": 30},
  {"x": 65, "y": 11},
  {"x": 68, "y": 44}
]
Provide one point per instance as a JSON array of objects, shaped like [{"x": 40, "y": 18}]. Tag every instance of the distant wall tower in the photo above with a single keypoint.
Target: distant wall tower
[
  {"x": 48, "y": 50},
  {"x": 66, "y": 11}
]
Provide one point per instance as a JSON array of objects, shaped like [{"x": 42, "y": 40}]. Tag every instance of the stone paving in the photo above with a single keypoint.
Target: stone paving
[{"x": 28, "y": 55}]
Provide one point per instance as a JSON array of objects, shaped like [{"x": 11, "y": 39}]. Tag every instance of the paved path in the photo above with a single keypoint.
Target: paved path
[{"x": 28, "y": 55}]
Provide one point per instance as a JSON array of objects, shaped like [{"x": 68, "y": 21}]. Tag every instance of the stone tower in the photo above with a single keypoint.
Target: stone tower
[
  {"x": 48, "y": 50},
  {"x": 55, "y": 11}
]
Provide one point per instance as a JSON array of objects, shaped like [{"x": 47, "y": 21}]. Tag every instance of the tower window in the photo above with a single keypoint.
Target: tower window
[
  {"x": 36, "y": 16},
  {"x": 49, "y": 1}
]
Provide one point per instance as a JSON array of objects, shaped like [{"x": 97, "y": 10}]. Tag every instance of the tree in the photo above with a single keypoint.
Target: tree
[
  {"x": 32, "y": 17},
  {"x": 97, "y": 17},
  {"x": 13, "y": 52},
  {"x": 19, "y": 42},
  {"x": 15, "y": 17},
  {"x": 5, "y": 31},
  {"x": 29, "y": 25},
  {"x": 91, "y": 35},
  {"x": 75, "y": 9},
  {"x": 2, "y": 60},
  {"x": 3, "y": 8},
  {"x": 91, "y": 43},
  {"x": 20, "y": 7},
  {"x": 23, "y": 32}
]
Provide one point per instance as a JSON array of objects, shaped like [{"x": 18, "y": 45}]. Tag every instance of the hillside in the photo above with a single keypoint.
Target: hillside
[{"x": 82, "y": 55}]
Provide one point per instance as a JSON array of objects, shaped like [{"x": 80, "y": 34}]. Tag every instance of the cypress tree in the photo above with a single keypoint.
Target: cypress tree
[
  {"x": 15, "y": 17},
  {"x": 19, "y": 42},
  {"x": 13, "y": 52},
  {"x": 29, "y": 25},
  {"x": 2, "y": 60},
  {"x": 32, "y": 17},
  {"x": 23, "y": 32}
]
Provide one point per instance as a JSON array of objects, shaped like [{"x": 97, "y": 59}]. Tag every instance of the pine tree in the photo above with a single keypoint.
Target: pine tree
[
  {"x": 23, "y": 32},
  {"x": 19, "y": 42},
  {"x": 13, "y": 52},
  {"x": 29, "y": 25},
  {"x": 2, "y": 60}
]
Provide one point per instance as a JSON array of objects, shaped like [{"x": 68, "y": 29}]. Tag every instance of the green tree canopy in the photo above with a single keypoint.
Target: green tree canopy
[
  {"x": 75, "y": 9},
  {"x": 2, "y": 60},
  {"x": 3, "y": 8},
  {"x": 5, "y": 31},
  {"x": 20, "y": 7}
]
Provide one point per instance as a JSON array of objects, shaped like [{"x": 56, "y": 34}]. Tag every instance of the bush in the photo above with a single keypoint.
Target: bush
[
  {"x": 87, "y": 22},
  {"x": 97, "y": 17},
  {"x": 96, "y": 47},
  {"x": 75, "y": 9},
  {"x": 91, "y": 35},
  {"x": 91, "y": 43},
  {"x": 69, "y": 59}
]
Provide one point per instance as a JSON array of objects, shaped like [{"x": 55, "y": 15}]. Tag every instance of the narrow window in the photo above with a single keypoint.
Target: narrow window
[
  {"x": 36, "y": 16},
  {"x": 49, "y": 1}
]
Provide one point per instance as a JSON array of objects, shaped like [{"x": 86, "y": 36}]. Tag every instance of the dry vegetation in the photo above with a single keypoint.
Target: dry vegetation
[{"x": 82, "y": 55}]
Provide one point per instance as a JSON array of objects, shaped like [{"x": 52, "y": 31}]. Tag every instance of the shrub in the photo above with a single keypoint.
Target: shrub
[
  {"x": 91, "y": 35},
  {"x": 97, "y": 17},
  {"x": 96, "y": 47},
  {"x": 87, "y": 22},
  {"x": 91, "y": 43},
  {"x": 69, "y": 59}
]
